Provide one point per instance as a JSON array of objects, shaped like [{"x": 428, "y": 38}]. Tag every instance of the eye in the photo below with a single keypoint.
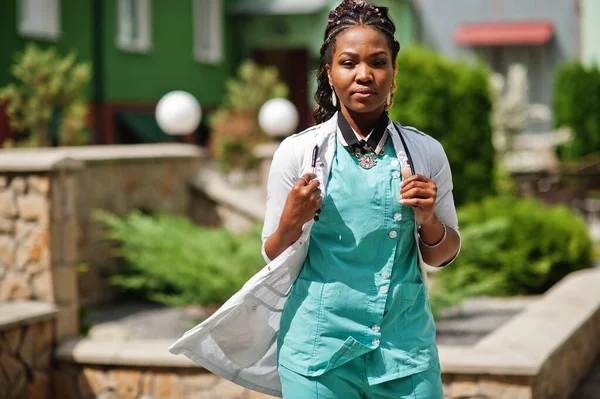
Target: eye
[
  {"x": 380, "y": 63},
  {"x": 348, "y": 63}
]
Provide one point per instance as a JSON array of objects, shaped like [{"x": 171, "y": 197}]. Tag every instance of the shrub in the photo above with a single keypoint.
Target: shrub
[
  {"x": 451, "y": 102},
  {"x": 169, "y": 259},
  {"x": 48, "y": 106},
  {"x": 577, "y": 106},
  {"x": 235, "y": 123},
  {"x": 512, "y": 246}
]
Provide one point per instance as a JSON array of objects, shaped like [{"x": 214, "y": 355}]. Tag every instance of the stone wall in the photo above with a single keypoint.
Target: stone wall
[
  {"x": 89, "y": 381},
  {"x": 25, "y": 351},
  {"x": 120, "y": 186},
  {"x": 24, "y": 238},
  {"x": 37, "y": 241}
]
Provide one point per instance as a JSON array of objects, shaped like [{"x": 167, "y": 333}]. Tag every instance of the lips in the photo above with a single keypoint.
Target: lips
[{"x": 364, "y": 91}]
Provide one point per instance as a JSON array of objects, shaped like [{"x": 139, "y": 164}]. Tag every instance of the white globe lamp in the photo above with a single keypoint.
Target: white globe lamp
[
  {"x": 278, "y": 117},
  {"x": 178, "y": 113}
]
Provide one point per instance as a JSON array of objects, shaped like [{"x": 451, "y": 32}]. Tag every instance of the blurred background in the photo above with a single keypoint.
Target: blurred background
[{"x": 124, "y": 222}]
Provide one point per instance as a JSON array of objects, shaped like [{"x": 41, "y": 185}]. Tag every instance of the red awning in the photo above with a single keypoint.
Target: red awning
[{"x": 504, "y": 33}]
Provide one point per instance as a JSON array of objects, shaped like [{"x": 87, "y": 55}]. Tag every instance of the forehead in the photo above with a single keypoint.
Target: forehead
[{"x": 360, "y": 38}]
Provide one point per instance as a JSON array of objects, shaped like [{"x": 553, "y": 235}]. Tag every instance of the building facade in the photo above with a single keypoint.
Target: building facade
[{"x": 540, "y": 34}]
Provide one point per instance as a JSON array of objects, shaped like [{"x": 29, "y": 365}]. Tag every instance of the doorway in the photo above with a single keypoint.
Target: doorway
[{"x": 293, "y": 65}]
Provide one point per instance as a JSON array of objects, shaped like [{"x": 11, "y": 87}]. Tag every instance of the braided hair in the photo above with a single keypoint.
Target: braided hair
[{"x": 348, "y": 14}]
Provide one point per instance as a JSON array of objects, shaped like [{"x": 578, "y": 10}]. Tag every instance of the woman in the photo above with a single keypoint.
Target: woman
[
  {"x": 357, "y": 323},
  {"x": 355, "y": 205}
]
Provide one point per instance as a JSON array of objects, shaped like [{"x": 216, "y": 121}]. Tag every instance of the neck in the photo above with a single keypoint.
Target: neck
[{"x": 362, "y": 123}]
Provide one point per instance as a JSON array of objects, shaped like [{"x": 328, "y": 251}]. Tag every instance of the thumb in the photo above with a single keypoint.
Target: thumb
[{"x": 405, "y": 173}]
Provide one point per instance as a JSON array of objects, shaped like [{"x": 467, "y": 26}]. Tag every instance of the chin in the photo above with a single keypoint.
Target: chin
[{"x": 365, "y": 107}]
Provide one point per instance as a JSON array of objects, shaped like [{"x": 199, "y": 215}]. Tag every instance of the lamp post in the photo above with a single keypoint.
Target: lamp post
[
  {"x": 178, "y": 113},
  {"x": 278, "y": 117}
]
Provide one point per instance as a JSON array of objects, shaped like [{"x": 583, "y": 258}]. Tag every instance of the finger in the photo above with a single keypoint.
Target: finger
[
  {"x": 405, "y": 173},
  {"x": 315, "y": 194},
  {"x": 417, "y": 202},
  {"x": 306, "y": 179},
  {"x": 416, "y": 184},
  {"x": 417, "y": 192},
  {"x": 414, "y": 178},
  {"x": 313, "y": 186}
]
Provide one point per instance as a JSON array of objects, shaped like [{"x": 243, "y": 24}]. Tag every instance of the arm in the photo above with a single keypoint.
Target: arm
[
  {"x": 433, "y": 203},
  {"x": 291, "y": 202}
]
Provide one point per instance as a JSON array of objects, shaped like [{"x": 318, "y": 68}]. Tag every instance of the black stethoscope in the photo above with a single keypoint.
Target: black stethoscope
[
  {"x": 410, "y": 161},
  {"x": 315, "y": 153}
]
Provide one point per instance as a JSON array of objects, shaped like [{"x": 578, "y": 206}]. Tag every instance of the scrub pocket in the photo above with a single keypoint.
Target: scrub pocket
[{"x": 416, "y": 327}]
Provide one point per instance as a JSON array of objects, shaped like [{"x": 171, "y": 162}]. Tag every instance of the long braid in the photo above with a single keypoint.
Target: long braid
[{"x": 348, "y": 14}]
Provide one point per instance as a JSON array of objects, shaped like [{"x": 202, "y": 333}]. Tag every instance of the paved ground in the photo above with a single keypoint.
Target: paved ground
[{"x": 463, "y": 325}]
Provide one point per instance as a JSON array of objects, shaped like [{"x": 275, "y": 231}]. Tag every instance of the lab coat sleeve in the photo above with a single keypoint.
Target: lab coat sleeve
[{"x": 283, "y": 175}]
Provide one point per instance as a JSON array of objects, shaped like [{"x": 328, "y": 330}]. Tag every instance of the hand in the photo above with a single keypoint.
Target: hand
[
  {"x": 420, "y": 193},
  {"x": 302, "y": 203}
]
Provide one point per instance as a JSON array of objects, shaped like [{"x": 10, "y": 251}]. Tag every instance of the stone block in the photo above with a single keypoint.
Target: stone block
[
  {"x": 43, "y": 360},
  {"x": 32, "y": 206},
  {"x": 31, "y": 248},
  {"x": 64, "y": 384},
  {"x": 7, "y": 225},
  {"x": 56, "y": 200},
  {"x": 41, "y": 285},
  {"x": 27, "y": 350},
  {"x": 65, "y": 285},
  {"x": 463, "y": 386},
  {"x": 8, "y": 205},
  {"x": 68, "y": 322},
  {"x": 7, "y": 251},
  {"x": 39, "y": 184},
  {"x": 19, "y": 185},
  {"x": 16, "y": 373},
  {"x": 92, "y": 381},
  {"x": 168, "y": 387},
  {"x": 23, "y": 229},
  {"x": 39, "y": 388},
  {"x": 127, "y": 383},
  {"x": 44, "y": 335},
  {"x": 14, "y": 287},
  {"x": 501, "y": 388},
  {"x": 10, "y": 341},
  {"x": 200, "y": 382},
  {"x": 147, "y": 383},
  {"x": 71, "y": 243}
]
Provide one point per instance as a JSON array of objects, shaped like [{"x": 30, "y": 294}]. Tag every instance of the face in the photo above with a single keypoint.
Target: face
[{"x": 361, "y": 69}]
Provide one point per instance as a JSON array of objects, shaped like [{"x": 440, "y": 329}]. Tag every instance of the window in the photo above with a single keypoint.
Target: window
[
  {"x": 134, "y": 25},
  {"x": 39, "y": 19},
  {"x": 207, "y": 31}
]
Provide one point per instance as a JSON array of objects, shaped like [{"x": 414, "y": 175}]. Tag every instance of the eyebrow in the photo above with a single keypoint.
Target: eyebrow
[{"x": 350, "y": 53}]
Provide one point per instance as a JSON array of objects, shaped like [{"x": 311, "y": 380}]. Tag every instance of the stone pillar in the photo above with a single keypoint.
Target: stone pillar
[{"x": 64, "y": 250}]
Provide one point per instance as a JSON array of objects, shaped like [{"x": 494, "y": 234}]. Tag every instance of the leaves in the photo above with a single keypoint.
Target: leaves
[
  {"x": 577, "y": 106},
  {"x": 513, "y": 246},
  {"x": 47, "y": 83},
  {"x": 452, "y": 102},
  {"x": 171, "y": 260}
]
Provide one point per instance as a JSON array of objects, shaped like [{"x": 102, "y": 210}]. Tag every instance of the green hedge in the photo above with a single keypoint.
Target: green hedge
[
  {"x": 577, "y": 105},
  {"x": 170, "y": 260},
  {"x": 512, "y": 246},
  {"x": 452, "y": 102}
]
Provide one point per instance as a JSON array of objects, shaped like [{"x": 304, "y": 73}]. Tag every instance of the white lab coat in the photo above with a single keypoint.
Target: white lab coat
[{"x": 239, "y": 341}]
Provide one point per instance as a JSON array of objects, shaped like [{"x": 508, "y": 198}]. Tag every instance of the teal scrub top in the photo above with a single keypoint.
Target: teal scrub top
[{"x": 360, "y": 291}]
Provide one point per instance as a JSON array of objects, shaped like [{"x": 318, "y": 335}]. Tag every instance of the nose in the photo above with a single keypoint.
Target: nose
[{"x": 363, "y": 73}]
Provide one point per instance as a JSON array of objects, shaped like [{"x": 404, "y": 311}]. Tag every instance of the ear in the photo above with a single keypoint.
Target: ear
[{"x": 328, "y": 69}]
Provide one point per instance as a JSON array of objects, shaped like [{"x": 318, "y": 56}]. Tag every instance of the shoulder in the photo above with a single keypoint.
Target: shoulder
[
  {"x": 421, "y": 140},
  {"x": 293, "y": 148},
  {"x": 429, "y": 149}
]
